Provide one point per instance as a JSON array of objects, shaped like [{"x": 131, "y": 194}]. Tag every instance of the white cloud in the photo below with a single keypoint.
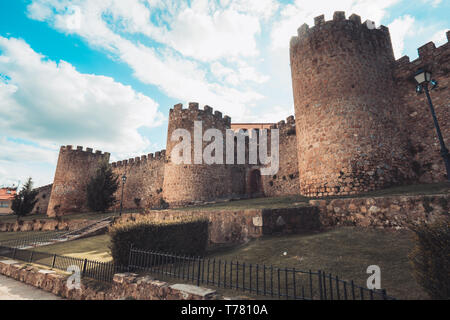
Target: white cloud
[
  {"x": 304, "y": 11},
  {"x": 52, "y": 103},
  {"x": 236, "y": 76},
  {"x": 433, "y": 3},
  {"x": 440, "y": 37},
  {"x": 260, "y": 8},
  {"x": 177, "y": 76},
  {"x": 399, "y": 29},
  {"x": 209, "y": 37},
  {"x": 18, "y": 161}
]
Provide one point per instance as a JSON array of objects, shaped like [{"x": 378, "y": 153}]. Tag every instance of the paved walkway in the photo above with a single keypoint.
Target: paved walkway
[{"x": 11, "y": 289}]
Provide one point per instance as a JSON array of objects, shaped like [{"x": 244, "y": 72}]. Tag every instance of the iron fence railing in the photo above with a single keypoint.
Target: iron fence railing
[
  {"x": 102, "y": 271},
  {"x": 261, "y": 280}
]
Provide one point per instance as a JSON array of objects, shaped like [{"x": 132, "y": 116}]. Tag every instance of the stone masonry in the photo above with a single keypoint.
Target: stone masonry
[{"x": 358, "y": 126}]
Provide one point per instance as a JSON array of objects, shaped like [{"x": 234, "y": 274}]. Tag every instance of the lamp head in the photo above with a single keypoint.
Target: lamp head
[{"x": 422, "y": 76}]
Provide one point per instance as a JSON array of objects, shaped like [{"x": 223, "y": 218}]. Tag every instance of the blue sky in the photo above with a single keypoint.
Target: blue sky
[{"x": 104, "y": 74}]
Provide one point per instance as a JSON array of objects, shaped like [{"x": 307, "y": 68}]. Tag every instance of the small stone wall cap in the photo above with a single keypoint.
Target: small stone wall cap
[
  {"x": 46, "y": 271},
  {"x": 9, "y": 261},
  {"x": 194, "y": 290}
]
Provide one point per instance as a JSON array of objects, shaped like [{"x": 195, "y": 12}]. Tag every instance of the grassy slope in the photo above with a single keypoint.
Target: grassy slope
[
  {"x": 93, "y": 248},
  {"x": 297, "y": 200},
  {"x": 346, "y": 252},
  {"x": 5, "y": 236}
]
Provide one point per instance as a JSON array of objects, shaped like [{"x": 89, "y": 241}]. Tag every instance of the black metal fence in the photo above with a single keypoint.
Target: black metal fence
[
  {"x": 261, "y": 280},
  {"x": 102, "y": 271}
]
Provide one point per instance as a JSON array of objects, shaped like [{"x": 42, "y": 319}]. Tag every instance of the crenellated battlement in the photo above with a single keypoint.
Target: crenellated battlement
[
  {"x": 339, "y": 22},
  {"x": 157, "y": 156},
  {"x": 285, "y": 125},
  {"x": 69, "y": 148},
  {"x": 194, "y": 111},
  {"x": 429, "y": 57}
]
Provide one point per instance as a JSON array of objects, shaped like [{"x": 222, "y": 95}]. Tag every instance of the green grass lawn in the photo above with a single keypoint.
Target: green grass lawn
[
  {"x": 93, "y": 248},
  {"x": 298, "y": 200},
  {"x": 345, "y": 252},
  {"x": 75, "y": 216},
  {"x": 5, "y": 236}
]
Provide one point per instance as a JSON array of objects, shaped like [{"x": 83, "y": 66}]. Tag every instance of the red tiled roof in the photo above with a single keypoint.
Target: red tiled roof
[{"x": 7, "y": 193}]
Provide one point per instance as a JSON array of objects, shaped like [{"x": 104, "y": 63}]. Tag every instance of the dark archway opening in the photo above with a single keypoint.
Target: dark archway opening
[{"x": 255, "y": 187}]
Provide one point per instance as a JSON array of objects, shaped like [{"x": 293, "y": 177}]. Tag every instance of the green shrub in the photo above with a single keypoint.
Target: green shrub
[
  {"x": 24, "y": 201},
  {"x": 101, "y": 188},
  {"x": 430, "y": 257},
  {"x": 187, "y": 237}
]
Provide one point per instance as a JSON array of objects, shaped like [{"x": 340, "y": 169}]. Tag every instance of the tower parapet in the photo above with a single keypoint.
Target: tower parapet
[
  {"x": 346, "y": 108},
  {"x": 74, "y": 169}
]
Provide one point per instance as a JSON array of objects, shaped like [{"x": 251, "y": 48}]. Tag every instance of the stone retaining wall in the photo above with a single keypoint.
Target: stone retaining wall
[
  {"x": 392, "y": 211},
  {"x": 41, "y": 225},
  {"x": 237, "y": 226},
  {"x": 125, "y": 285}
]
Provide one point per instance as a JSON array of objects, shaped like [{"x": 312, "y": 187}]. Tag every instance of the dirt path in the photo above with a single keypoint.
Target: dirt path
[{"x": 11, "y": 289}]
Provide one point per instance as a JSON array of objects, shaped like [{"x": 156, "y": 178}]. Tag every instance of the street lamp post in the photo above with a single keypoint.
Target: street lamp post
[
  {"x": 124, "y": 179},
  {"x": 423, "y": 78}
]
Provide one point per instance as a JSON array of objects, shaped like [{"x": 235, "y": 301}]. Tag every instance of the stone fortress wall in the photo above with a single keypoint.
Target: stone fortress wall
[
  {"x": 423, "y": 144},
  {"x": 43, "y": 198},
  {"x": 143, "y": 187},
  {"x": 198, "y": 181},
  {"x": 74, "y": 169},
  {"x": 347, "y": 111},
  {"x": 358, "y": 126}
]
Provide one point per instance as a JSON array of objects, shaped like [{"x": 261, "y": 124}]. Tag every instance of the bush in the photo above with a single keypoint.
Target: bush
[
  {"x": 430, "y": 258},
  {"x": 101, "y": 188},
  {"x": 187, "y": 237}
]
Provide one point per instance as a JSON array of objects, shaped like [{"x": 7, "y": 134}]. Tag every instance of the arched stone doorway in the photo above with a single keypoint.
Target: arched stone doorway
[{"x": 254, "y": 185}]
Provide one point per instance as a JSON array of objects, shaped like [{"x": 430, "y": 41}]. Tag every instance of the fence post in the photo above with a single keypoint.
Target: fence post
[
  {"x": 54, "y": 260},
  {"x": 198, "y": 272},
  {"x": 383, "y": 292},
  {"x": 319, "y": 273},
  {"x": 14, "y": 253},
  {"x": 84, "y": 266},
  {"x": 129, "y": 258},
  {"x": 31, "y": 256}
]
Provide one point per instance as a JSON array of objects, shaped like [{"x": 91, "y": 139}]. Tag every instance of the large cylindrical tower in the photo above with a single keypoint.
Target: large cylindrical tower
[
  {"x": 190, "y": 183},
  {"x": 348, "y": 136},
  {"x": 73, "y": 171}
]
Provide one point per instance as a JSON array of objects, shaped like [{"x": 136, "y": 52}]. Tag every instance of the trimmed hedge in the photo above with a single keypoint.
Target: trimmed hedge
[{"x": 187, "y": 237}]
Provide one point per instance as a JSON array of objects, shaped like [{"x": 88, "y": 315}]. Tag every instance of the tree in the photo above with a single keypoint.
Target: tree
[
  {"x": 101, "y": 188},
  {"x": 23, "y": 202}
]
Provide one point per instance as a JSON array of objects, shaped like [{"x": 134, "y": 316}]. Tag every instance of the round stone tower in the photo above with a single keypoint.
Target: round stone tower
[
  {"x": 346, "y": 111},
  {"x": 195, "y": 182},
  {"x": 73, "y": 171}
]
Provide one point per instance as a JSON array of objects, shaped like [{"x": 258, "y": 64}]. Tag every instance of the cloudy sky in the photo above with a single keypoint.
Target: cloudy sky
[{"x": 104, "y": 73}]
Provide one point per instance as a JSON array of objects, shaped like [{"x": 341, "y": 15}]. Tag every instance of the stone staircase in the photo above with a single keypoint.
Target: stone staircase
[{"x": 90, "y": 230}]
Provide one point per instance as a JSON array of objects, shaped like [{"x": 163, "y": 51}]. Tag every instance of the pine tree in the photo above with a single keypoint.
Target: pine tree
[
  {"x": 23, "y": 202},
  {"x": 101, "y": 188}
]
